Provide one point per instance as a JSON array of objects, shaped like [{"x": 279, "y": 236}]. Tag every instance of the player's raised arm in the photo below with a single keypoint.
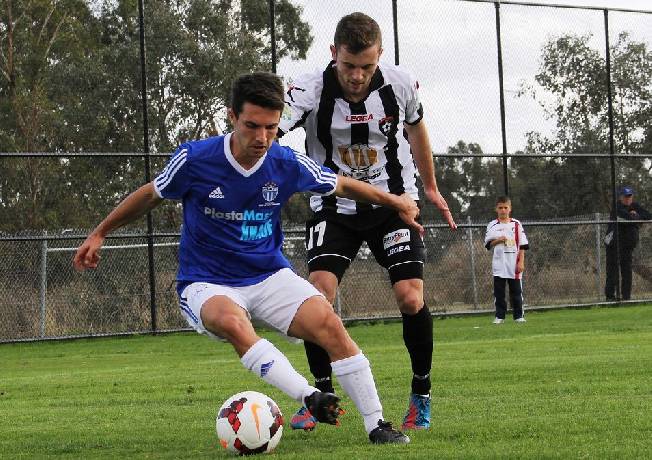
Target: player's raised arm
[
  {"x": 361, "y": 191},
  {"x": 135, "y": 205}
]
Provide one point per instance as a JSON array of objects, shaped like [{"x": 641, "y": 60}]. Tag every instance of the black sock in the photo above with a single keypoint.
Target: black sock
[
  {"x": 418, "y": 338},
  {"x": 320, "y": 366}
]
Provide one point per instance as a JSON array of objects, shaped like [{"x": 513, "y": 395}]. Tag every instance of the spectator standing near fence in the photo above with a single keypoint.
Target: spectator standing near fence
[
  {"x": 626, "y": 211},
  {"x": 231, "y": 267},
  {"x": 506, "y": 237},
  {"x": 363, "y": 120}
]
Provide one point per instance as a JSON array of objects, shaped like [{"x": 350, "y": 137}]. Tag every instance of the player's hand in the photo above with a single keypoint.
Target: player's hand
[
  {"x": 88, "y": 254},
  {"x": 520, "y": 267},
  {"x": 435, "y": 198},
  {"x": 409, "y": 211}
]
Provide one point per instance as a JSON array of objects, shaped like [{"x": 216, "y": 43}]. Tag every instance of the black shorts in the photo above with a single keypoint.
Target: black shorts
[{"x": 333, "y": 241}]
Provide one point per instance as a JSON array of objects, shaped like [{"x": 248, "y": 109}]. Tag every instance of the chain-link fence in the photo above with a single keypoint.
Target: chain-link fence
[
  {"x": 549, "y": 104},
  {"x": 48, "y": 299}
]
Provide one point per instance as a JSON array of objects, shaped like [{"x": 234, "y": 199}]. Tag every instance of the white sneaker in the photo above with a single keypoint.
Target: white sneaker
[
  {"x": 520, "y": 320},
  {"x": 498, "y": 321}
]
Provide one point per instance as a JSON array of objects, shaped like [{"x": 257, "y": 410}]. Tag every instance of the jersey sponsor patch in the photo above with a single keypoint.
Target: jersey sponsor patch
[
  {"x": 358, "y": 156},
  {"x": 397, "y": 237}
]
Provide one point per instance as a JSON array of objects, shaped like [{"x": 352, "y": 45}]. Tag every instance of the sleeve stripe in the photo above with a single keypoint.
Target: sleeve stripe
[
  {"x": 320, "y": 175},
  {"x": 172, "y": 163},
  {"x": 170, "y": 170},
  {"x": 419, "y": 117},
  {"x": 307, "y": 162}
]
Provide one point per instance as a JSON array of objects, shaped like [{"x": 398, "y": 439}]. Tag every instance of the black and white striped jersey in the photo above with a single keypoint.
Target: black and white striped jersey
[{"x": 364, "y": 140}]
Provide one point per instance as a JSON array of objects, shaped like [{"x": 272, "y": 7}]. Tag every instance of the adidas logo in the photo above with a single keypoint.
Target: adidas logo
[
  {"x": 217, "y": 193},
  {"x": 264, "y": 369}
]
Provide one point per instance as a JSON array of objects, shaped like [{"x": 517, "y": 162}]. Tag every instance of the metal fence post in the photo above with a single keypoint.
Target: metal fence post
[
  {"x": 272, "y": 32},
  {"x": 612, "y": 148},
  {"x": 148, "y": 162},
  {"x": 44, "y": 282},
  {"x": 395, "y": 24},
  {"x": 598, "y": 263},
  {"x": 469, "y": 234},
  {"x": 501, "y": 87}
]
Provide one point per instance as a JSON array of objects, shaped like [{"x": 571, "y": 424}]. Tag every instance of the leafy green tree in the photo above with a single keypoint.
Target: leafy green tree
[
  {"x": 571, "y": 86},
  {"x": 470, "y": 182},
  {"x": 35, "y": 37},
  {"x": 71, "y": 82}
]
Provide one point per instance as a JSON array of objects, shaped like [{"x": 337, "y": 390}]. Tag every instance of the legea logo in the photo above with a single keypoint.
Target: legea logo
[{"x": 363, "y": 118}]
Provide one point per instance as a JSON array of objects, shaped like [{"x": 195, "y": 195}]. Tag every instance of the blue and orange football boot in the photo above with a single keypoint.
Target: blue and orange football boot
[
  {"x": 303, "y": 420},
  {"x": 418, "y": 413},
  {"x": 320, "y": 407}
]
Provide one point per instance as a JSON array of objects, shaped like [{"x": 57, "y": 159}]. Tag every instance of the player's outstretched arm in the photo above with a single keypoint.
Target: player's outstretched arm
[
  {"x": 135, "y": 205},
  {"x": 361, "y": 191},
  {"x": 422, "y": 154}
]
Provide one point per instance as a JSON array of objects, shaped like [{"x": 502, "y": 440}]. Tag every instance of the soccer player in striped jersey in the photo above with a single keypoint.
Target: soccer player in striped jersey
[
  {"x": 231, "y": 267},
  {"x": 363, "y": 119},
  {"x": 506, "y": 236}
]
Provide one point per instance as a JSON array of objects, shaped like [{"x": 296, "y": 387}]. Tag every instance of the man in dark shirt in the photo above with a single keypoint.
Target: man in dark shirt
[{"x": 626, "y": 210}]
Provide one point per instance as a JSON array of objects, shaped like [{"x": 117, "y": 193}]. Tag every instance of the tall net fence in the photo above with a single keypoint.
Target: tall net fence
[
  {"x": 44, "y": 297},
  {"x": 517, "y": 98}
]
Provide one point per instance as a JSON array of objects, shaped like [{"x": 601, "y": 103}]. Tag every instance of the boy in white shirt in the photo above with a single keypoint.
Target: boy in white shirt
[{"x": 506, "y": 237}]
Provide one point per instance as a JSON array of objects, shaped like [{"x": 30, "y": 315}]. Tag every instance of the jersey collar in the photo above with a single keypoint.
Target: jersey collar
[
  {"x": 229, "y": 157},
  {"x": 333, "y": 87}
]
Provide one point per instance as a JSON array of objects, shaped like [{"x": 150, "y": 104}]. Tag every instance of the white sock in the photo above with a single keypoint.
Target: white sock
[
  {"x": 354, "y": 375},
  {"x": 267, "y": 362}
]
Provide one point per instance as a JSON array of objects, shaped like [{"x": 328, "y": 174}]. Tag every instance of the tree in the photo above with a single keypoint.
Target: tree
[
  {"x": 34, "y": 37},
  {"x": 471, "y": 182},
  {"x": 71, "y": 83},
  {"x": 571, "y": 86}
]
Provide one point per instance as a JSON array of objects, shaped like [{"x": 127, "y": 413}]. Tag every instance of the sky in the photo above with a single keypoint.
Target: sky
[
  {"x": 644, "y": 5},
  {"x": 451, "y": 48}
]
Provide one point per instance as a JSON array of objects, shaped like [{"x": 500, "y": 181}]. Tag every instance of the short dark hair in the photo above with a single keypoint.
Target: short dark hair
[
  {"x": 263, "y": 89},
  {"x": 503, "y": 199},
  {"x": 357, "y": 32}
]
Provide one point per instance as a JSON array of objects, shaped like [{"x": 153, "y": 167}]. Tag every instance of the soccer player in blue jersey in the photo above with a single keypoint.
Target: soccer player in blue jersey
[{"x": 231, "y": 267}]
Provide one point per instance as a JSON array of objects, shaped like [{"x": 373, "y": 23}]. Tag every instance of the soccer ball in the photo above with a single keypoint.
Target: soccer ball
[{"x": 249, "y": 423}]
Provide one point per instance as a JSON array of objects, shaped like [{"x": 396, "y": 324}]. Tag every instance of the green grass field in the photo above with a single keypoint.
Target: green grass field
[{"x": 567, "y": 384}]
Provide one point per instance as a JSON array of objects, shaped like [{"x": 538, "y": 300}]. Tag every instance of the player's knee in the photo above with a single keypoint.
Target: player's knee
[
  {"x": 333, "y": 325},
  {"x": 229, "y": 326},
  {"x": 326, "y": 283},
  {"x": 410, "y": 303},
  {"x": 409, "y": 296},
  {"x": 333, "y": 336}
]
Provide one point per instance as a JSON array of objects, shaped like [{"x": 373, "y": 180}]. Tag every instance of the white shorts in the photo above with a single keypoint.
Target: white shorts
[{"x": 273, "y": 302}]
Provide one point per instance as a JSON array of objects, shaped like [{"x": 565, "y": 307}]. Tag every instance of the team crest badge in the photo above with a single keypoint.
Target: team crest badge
[
  {"x": 385, "y": 125},
  {"x": 270, "y": 191}
]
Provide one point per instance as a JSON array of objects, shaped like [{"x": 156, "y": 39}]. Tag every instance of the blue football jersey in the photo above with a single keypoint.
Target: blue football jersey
[{"x": 231, "y": 232}]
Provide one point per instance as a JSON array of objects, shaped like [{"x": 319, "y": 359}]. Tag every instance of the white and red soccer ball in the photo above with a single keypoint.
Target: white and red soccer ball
[{"x": 249, "y": 423}]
